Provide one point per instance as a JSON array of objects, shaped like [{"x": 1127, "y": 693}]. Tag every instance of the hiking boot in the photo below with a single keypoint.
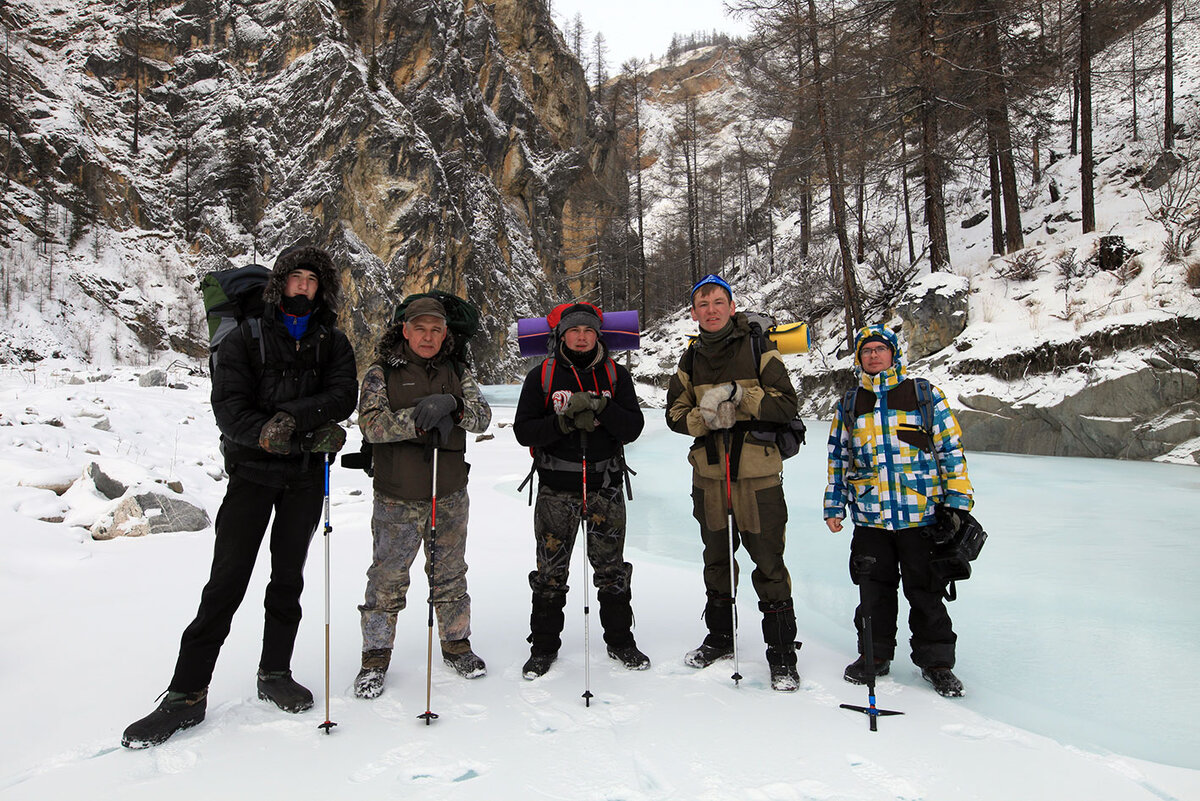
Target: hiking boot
[
  {"x": 784, "y": 678},
  {"x": 856, "y": 671},
  {"x": 630, "y": 657},
  {"x": 458, "y": 655},
  {"x": 944, "y": 682},
  {"x": 278, "y": 687},
  {"x": 369, "y": 681},
  {"x": 178, "y": 711},
  {"x": 713, "y": 648},
  {"x": 537, "y": 665}
]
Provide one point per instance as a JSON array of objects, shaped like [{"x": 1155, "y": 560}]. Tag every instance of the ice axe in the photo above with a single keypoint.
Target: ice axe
[{"x": 862, "y": 569}]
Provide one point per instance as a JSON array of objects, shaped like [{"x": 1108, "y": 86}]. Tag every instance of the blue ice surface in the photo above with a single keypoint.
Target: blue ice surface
[{"x": 1080, "y": 621}]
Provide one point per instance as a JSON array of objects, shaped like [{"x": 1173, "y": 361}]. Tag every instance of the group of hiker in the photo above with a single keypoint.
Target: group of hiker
[{"x": 283, "y": 382}]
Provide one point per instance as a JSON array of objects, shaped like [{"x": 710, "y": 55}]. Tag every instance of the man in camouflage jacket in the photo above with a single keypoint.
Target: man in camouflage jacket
[{"x": 416, "y": 398}]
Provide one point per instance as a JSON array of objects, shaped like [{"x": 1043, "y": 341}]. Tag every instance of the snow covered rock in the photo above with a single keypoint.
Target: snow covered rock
[
  {"x": 149, "y": 513},
  {"x": 934, "y": 311}
]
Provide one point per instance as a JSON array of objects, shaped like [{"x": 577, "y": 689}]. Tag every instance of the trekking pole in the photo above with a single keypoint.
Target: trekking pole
[
  {"x": 862, "y": 568},
  {"x": 328, "y": 724},
  {"x": 737, "y": 676},
  {"x": 429, "y": 716},
  {"x": 583, "y": 527}
]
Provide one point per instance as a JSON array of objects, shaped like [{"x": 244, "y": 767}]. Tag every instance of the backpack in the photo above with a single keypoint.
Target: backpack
[
  {"x": 789, "y": 436},
  {"x": 462, "y": 319},
  {"x": 232, "y": 298}
]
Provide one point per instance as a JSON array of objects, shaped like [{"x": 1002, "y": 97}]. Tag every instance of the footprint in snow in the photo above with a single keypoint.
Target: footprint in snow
[{"x": 896, "y": 786}]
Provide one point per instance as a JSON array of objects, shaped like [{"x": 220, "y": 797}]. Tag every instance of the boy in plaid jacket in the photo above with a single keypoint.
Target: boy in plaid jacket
[{"x": 882, "y": 464}]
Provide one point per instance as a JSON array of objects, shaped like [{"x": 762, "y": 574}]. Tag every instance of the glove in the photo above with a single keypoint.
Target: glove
[
  {"x": 718, "y": 407},
  {"x": 430, "y": 410},
  {"x": 325, "y": 438},
  {"x": 276, "y": 435},
  {"x": 585, "y": 420},
  {"x": 584, "y": 401}
]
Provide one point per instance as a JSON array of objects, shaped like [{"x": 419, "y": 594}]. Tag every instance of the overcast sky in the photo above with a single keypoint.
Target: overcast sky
[{"x": 644, "y": 27}]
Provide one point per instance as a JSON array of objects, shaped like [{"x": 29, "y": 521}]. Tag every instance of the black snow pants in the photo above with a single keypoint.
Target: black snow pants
[
  {"x": 902, "y": 556},
  {"x": 240, "y": 526}
]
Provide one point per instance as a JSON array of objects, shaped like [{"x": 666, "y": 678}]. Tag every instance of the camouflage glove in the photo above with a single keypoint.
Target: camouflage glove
[
  {"x": 431, "y": 409},
  {"x": 325, "y": 438},
  {"x": 276, "y": 436}
]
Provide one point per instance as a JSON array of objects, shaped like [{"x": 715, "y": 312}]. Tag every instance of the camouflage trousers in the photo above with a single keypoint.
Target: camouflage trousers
[
  {"x": 555, "y": 527},
  {"x": 399, "y": 528}
]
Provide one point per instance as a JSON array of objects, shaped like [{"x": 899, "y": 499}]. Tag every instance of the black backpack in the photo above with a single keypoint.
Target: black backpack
[{"x": 232, "y": 298}]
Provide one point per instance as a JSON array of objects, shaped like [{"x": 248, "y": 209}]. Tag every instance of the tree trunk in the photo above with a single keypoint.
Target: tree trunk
[
  {"x": 1086, "y": 167},
  {"x": 1169, "y": 78},
  {"x": 908, "y": 227},
  {"x": 1000, "y": 133},
  {"x": 837, "y": 199},
  {"x": 931, "y": 162},
  {"x": 994, "y": 181}
]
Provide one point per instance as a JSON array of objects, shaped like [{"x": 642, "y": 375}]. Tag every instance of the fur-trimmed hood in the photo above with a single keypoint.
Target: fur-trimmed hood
[{"x": 329, "y": 285}]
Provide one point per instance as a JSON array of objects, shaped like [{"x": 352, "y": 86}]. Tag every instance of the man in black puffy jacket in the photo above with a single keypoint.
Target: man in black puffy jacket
[
  {"x": 280, "y": 386},
  {"x": 579, "y": 404}
]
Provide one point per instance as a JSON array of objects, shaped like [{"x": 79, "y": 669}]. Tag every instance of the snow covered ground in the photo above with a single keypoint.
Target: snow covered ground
[{"x": 1077, "y": 635}]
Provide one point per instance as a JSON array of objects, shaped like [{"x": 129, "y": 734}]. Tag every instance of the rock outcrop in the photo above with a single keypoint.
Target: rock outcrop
[{"x": 449, "y": 143}]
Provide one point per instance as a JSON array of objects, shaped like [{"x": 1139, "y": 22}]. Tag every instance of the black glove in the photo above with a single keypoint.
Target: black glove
[
  {"x": 430, "y": 410},
  {"x": 947, "y": 521},
  {"x": 276, "y": 435},
  {"x": 325, "y": 438}
]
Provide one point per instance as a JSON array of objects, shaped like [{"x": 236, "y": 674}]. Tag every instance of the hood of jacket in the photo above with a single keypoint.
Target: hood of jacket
[
  {"x": 889, "y": 377},
  {"x": 329, "y": 286}
]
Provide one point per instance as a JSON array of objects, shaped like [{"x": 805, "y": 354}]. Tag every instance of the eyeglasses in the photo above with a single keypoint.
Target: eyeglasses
[{"x": 875, "y": 350}]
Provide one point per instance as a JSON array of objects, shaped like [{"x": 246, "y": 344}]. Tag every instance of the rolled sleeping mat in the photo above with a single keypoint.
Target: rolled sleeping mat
[
  {"x": 790, "y": 337},
  {"x": 619, "y": 330},
  {"x": 787, "y": 337}
]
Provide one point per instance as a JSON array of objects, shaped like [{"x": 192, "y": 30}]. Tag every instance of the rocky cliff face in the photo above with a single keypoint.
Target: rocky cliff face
[{"x": 446, "y": 143}]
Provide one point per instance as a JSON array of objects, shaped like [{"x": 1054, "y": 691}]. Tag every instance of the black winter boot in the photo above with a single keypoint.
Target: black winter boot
[
  {"x": 178, "y": 711},
  {"x": 779, "y": 632},
  {"x": 856, "y": 671},
  {"x": 278, "y": 687},
  {"x": 616, "y": 616},
  {"x": 369, "y": 681},
  {"x": 944, "y": 682},
  {"x": 537, "y": 664},
  {"x": 546, "y": 622},
  {"x": 718, "y": 614}
]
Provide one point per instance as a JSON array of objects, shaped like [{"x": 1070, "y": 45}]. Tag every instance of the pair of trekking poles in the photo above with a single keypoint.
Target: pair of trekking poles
[{"x": 428, "y": 715}]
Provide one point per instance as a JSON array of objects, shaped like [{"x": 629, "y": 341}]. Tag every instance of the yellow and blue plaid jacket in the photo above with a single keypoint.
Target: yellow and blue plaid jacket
[{"x": 876, "y": 463}]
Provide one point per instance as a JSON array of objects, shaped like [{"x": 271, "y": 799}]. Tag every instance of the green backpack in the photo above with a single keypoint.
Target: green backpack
[{"x": 462, "y": 318}]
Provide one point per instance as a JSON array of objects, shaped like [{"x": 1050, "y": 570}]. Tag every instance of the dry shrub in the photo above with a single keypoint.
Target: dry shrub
[{"x": 1193, "y": 273}]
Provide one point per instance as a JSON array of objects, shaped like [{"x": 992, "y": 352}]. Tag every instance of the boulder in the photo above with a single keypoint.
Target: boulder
[
  {"x": 1164, "y": 167},
  {"x": 934, "y": 312},
  {"x": 153, "y": 378},
  {"x": 1140, "y": 414},
  {"x": 106, "y": 485},
  {"x": 149, "y": 513}
]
